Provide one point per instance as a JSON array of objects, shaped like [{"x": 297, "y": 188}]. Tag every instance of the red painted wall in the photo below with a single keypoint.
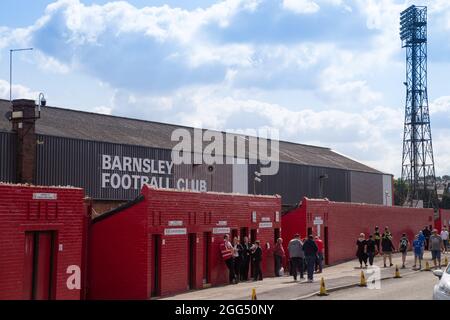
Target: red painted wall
[
  {"x": 120, "y": 258},
  {"x": 19, "y": 213},
  {"x": 345, "y": 221},
  {"x": 444, "y": 219}
]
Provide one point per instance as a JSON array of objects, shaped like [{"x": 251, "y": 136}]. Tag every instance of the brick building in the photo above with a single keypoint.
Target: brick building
[
  {"x": 42, "y": 234},
  {"x": 339, "y": 224},
  {"x": 167, "y": 241}
]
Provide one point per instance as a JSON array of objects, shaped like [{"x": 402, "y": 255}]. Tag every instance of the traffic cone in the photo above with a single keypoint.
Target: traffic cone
[
  {"x": 363, "y": 282},
  {"x": 427, "y": 266},
  {"x": 254, "y": 294},
  {"x": 323, "y": 290},
  {"x": 397, "y": 272}
]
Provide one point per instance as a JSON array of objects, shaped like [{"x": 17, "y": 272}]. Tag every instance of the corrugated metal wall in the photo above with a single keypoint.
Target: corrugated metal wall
[
  {"x": 62, "y": 161},
  {"x": 8, "y": 155},
  {"x": 387, "y": 189},
  {"x": 293, "y": 182},
  {"x": 220, "y": 179},
  {"x": 366, "y": 187}
]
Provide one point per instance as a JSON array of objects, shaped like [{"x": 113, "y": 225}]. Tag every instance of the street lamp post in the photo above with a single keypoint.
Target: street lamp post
[{"x": 10, "y": 68}]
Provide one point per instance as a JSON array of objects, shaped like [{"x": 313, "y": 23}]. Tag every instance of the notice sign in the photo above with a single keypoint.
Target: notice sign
[
  {"x": 175, "y": 231},
  {"x": 277, "y": 216},
  {"x": 265, "y": 219},
  {"x": 221, "y": 230},
  {"x": 265, "y": 225},
  {"x": 221, "y": 223},
  {"x": 45, "y": 196},
  {"x": 318, "y": 221},
  {"x": 175, "y": 223}
]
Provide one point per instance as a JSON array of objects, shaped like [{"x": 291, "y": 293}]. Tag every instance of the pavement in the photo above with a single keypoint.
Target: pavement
[
  {"x": 417, "y": 286},
  {"x": 338, "y": 277}
]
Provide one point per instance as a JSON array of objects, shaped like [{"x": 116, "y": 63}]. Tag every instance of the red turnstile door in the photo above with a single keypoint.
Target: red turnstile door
[{"x": 38, "y": 265}]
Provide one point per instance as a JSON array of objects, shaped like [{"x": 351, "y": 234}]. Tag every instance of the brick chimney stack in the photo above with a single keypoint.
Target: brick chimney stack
[{"x": 23, "y": 119}]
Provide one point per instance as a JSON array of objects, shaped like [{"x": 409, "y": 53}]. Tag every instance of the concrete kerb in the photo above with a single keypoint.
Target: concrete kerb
[{"x": 347, "y": 286}]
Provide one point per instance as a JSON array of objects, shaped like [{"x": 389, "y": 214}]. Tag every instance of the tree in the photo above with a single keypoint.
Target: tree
[
  {"x": 445, "y": 202},
  {"x": 400, "y": 192}
]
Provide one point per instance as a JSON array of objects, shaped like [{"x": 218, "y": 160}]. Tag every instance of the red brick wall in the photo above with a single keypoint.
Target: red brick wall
[
  {"x": 345, "y": 221},
  {"x": 199, "y": 213},
  {"x": 444, "y": 219},
  {"x": 118, "y": 253},
  {"x": 20, "y": 213}
]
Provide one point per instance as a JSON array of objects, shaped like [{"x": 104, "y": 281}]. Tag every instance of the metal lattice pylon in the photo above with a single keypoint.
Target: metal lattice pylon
[{"x": 417, "y": 162}]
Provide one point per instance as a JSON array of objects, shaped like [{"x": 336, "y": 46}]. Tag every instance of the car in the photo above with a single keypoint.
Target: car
[{"x": 442, "y": 288}]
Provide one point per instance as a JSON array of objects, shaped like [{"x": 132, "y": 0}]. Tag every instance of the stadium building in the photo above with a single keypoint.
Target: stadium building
[{"x": 111, "y": 158}]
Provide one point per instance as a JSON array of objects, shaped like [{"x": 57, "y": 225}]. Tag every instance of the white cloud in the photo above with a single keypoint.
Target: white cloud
[
  {"x": 440, "y": 105},
  {"x": 301, "y": 6},
  {"x": 18, "y": 91}
]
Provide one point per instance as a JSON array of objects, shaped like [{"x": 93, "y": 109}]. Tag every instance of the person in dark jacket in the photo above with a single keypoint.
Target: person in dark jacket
[
  {"x": 377, "y": 238},
  {"x": 257, "y": 258},
  {"x": 427, "y": 234},
  {"x": 361, "y": 250},
  {"x": 370, "y": 249},
  {"x": 237, "y": 255},
  {"x": 310, "y": 249},
  {"x": 246, "y": 257},
  {"x": 387, "y": 246}
]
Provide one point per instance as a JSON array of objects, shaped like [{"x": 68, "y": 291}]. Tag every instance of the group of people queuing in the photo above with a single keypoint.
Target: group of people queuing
[
  {"x": 237, "y": 257},
  {"x": 306, "y": 254},
  {"x": 383, "y": 244}
]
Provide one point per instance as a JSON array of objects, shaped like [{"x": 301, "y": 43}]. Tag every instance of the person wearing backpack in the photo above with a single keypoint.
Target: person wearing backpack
[
  {"x": 387, "y": 246},
  {"x": 403, "y": 248}
]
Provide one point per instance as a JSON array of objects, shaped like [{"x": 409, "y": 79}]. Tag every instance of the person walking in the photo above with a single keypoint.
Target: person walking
[
  {"x": 427, "y": 233},
  {"x": 387, "y": 246},
  {"x": 227, "y": 252},
  {"x": 310, "y": 249},
  {"x": 436, "y": 246},
  {"x": 237, "y": 255},
  {"x": 320, "y": 253},
  {"x": 361, "y": 250},
  {"x": 418, "y": 246},
  {"x": 296, "y": 256},
  {"x": 370, "y": 249},
  {"x": 403, "y": 247},
  {"x": 445, "y": 236},
  {"x": 246, "y": 257},
  {"x": 377, "y": 238},
  {"x": 257, "y": 258},
  {"x": 278, "y": 255}
]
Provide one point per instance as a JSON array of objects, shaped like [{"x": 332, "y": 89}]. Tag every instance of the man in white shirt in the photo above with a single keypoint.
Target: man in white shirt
[{"x": 444, "y": 236}]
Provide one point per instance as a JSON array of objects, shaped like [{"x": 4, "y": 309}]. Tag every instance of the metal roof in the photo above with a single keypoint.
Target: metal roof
[{"x": 75, "y": 124}]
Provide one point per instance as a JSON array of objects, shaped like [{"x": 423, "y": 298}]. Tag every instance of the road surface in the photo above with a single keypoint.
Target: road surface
[{"x": 418, "y": 286}]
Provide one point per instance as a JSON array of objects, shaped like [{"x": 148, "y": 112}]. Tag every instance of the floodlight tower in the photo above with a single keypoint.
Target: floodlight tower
[{"x": 417, "y": 162}]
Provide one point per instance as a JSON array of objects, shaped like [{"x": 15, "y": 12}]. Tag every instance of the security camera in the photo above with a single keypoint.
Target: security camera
[{"x": 257, "y": 179}]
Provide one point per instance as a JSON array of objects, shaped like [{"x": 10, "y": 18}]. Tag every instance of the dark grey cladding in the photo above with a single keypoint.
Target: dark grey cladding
[{"x": 8, "y": 156}]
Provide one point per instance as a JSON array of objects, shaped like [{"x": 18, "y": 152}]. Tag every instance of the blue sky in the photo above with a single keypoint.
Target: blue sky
[{"x": 325, "y": 72}]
